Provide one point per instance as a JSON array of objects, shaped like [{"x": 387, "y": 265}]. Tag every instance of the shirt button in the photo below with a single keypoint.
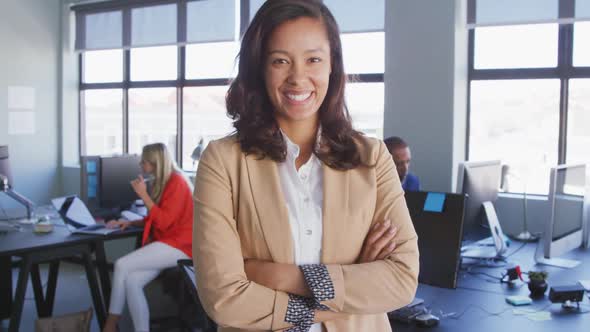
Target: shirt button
[
  {"x": 303, "y": 176},
  {"x": 306, "y": 199},
  {"x": 308, "y": 232}
]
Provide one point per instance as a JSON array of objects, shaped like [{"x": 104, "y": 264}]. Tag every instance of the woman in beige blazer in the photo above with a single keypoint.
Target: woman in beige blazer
[{"x": 294, "y": 139}]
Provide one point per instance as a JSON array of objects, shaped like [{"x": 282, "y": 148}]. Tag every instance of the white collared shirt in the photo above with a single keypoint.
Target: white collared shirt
[{"x": 303, "y": 192}]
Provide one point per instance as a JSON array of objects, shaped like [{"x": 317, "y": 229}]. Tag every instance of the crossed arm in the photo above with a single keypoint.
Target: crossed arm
[{"x": 289, "y": 278}]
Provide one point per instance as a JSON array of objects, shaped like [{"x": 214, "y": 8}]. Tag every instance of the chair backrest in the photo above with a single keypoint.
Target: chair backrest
[{"x": 187, "y": 271}]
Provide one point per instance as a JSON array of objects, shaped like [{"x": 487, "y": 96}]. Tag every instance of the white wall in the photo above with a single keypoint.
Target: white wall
[
  {"x": 69, "y": 100},
  {"x": 426, "y": 85},
  {"x": 30, "y": 37}
]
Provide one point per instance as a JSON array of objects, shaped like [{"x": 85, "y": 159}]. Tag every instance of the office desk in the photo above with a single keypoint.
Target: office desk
[
  {"x": 477, "y": 293},
  {"x": 34, "y": 249}
]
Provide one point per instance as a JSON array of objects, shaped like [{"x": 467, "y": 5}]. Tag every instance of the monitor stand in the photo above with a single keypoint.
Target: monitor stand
[
  {"x": 557, "y": 262},
  {"x": 499, "y": 244},
  {"x": 30, "y": 206}
]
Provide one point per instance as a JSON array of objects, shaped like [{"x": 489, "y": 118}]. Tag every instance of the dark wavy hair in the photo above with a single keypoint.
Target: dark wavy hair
[{"x": 250, "y": 108}]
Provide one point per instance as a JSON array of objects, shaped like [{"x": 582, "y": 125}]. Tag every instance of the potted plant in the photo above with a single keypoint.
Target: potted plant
[{"x": 538, "y": 282}]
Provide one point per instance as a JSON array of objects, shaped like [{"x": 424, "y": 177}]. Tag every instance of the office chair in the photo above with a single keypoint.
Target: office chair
[{"x": 191, "y": 311}]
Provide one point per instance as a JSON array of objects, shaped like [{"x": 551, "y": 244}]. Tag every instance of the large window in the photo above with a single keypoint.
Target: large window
[
  {"x": 578, "y": 122},
  {"x": 103, "y": 120},
  {"x": 516, "y": 121},
  {"x": 154, "y": 83},
  {"x": 152, "y": 118},
  {"x": 103, "y": 66},
  {"x": 519, "y": 46},
  {"x": 154, "y": 63},
  {"x": 529, "y": 99},
  {"x": 365, "y": 105},
  {"x": 204, "y": 118}
]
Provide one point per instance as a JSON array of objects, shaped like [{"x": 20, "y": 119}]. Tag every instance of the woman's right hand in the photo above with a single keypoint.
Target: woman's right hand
[
  {"x": 379, "y": 242},
  {"x": 121, "y": 224}
]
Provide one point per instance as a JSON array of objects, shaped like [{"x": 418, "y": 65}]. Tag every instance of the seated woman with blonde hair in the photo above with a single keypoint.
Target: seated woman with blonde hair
[{"x": 166, "y": 235}]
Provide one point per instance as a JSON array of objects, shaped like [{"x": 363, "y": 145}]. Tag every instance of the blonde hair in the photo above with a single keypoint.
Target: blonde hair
[{"x": 159, "y": 157}]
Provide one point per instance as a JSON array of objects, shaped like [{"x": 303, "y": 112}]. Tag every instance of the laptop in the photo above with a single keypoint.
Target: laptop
[{"x": 77, "y": 218}]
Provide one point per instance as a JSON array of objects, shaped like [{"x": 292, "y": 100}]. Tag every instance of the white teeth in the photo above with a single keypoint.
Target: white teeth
[{"x": 299, "y": 97}]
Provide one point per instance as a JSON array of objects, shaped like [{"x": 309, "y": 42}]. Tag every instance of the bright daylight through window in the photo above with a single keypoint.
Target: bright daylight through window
[{"x": 140, "y": 95}]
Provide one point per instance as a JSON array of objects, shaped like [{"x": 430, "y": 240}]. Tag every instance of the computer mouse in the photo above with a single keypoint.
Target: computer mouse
[{"x": 426, "y": 320}]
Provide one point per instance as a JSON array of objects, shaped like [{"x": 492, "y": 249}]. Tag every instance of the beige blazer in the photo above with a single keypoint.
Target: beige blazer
[{"x": 240, "y": 214}]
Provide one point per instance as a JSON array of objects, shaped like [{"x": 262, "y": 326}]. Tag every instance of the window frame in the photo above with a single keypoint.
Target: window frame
[
  {"x": 180, "y": 83},
  {"x": 565, "y": 71}
]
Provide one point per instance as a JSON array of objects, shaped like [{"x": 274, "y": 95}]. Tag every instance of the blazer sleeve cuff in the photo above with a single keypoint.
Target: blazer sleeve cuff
[
  {"x": 300, "y": 313},
  {"x": 319, "y": 282},
  {"x": 280, "y": 311},
  {"x": 337, "y": 276}
]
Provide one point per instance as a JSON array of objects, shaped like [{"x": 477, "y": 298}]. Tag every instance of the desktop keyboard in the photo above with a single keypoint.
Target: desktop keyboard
[
  {"x": 93, "y": 227},
  {"x": 406, "y": 314}
]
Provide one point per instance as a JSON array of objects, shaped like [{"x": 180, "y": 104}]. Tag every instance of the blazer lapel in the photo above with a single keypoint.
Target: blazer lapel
[
  {"x": 334, "y": 210},
  {"x": 271, "y": 208}
]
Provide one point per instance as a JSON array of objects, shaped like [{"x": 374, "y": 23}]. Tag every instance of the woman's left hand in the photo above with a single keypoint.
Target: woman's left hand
[
  {"x": 379, "y": 243},
  {"x": 139, "y": 187}
]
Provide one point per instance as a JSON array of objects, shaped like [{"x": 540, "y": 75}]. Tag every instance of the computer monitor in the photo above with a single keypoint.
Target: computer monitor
[
  {"x": 480, "y": 182},
  {"x": 105, "y": 182},
  {"x": 7, "y": 184},
  {"x": 115, "y": 181},
  {"x": 438, "y": 220},
  {"x": 568, "y": 206},
  {"x": 5, "y": 165}
]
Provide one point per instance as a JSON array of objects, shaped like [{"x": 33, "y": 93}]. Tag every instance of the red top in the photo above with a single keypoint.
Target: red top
[{"x": 171, "y": 220}]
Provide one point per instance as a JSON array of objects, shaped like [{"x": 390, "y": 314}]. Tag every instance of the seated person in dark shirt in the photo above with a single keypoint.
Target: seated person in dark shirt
[{"x": 400, "y": 152}]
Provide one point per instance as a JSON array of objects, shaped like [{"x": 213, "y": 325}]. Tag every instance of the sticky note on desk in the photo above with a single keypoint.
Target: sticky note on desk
[
  {"x": 539, "y": 316},
  {"x": 518, "y": 300},
  {"x": 434, "y": 202},
  {"x": 532, "y": 314}
]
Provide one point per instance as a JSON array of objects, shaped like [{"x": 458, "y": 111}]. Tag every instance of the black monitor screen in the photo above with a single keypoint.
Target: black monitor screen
[
  {"x": 481, "y": 181},
  {"x": 568, "y": 200},
  {"x": 438, "y": 220},
  {"x": 115, "y": 176},
  {"x": 5, "y": 164}
]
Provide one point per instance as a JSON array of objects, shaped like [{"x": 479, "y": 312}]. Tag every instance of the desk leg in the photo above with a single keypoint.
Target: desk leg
[
  {"x": 51, "y": 285},
  {"x": 94, "y": 290},
  {"x": 5, "y": 287},
  {"x": 38, "y": 291},
  {"x": 19, "y": 296},
  {"x": 45, "y": 302},
  {"x": 103, "y": 271}
]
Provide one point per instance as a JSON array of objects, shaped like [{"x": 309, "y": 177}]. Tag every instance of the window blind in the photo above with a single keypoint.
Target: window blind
[{"x": 512, "y": 12}]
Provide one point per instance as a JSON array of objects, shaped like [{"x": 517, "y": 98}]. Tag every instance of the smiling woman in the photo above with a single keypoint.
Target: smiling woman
[
  {"x": 297, "y": 42},
  {"x": 300, "y": 221},
  {"x": 297, "y": 72}
]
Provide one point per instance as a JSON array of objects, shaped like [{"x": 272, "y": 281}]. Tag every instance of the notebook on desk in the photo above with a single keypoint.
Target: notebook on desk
[{"x": 77, "y": 218}]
